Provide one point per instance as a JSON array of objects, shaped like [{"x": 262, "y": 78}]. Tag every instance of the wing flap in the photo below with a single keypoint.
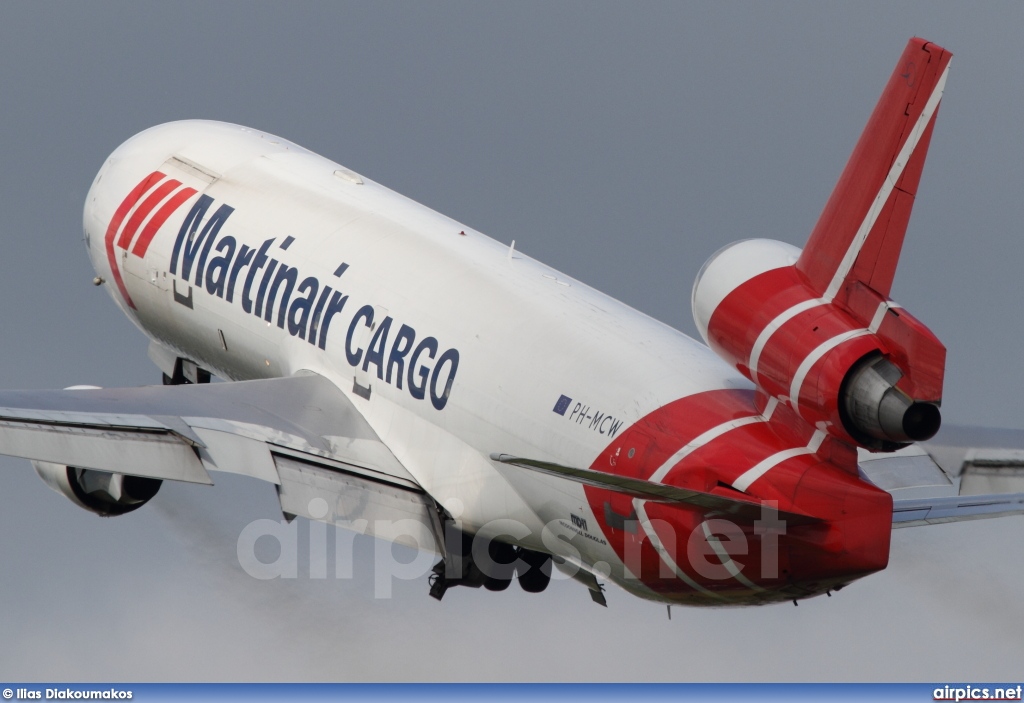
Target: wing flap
[
  {"x": 358, "y": 502},
  {"x": 149, "y": 452},
  {"x": 236, "y": 454},
  {"x": 935, "y": 511}
]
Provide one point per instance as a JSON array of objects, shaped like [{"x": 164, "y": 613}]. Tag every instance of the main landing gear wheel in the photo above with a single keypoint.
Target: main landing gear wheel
[
  {"x": 534, "y": 570},
  {"x": 502, "y": 567}
]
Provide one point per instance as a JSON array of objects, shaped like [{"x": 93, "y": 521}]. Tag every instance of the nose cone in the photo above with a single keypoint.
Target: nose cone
[{"x": 193, "y": 152}]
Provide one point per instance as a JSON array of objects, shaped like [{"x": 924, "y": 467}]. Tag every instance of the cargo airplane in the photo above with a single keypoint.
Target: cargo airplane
[{"x": 395, "y": 372}]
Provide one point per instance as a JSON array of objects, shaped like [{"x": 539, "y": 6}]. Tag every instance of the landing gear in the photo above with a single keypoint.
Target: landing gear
[
  {"x": 457, "y": 568},
  {"x": 534, "y": 570},
  {"x": 474, "y": 562},
  {"x": 186, "y": 372},
  {"x": 503, "y": 565}
]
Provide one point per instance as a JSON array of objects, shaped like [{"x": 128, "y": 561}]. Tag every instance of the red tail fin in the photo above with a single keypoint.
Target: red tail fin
[{"x": 860, "y": 233}]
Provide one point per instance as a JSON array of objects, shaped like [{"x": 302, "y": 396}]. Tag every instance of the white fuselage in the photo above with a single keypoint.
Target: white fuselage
[{"x": 500, "y": 337}]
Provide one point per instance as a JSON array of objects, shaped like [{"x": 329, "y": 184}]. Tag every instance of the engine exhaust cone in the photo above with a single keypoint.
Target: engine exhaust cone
[
  {"x": 880, "y": 414},
  {"x": 921, "y": 421}
]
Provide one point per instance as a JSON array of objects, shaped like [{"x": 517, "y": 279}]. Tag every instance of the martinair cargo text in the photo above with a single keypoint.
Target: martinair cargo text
[{"x": 392, "y": 371}]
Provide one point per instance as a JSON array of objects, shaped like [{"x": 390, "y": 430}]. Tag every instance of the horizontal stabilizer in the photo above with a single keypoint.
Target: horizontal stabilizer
[
  {"x": 935, "y": 511},
  {"x": 743, "y": 510},
  {"x": 964, "y": 473}
]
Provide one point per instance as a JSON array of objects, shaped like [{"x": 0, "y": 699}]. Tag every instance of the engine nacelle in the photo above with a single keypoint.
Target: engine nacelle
[
  {"x": 98, "y": 492},
  {"x": 857, "y": 365}
]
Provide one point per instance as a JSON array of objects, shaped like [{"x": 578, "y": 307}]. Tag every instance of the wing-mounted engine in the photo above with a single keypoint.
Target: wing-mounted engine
[
  {"x": 98, "y": 492},
  {"x": 815, "y": 328}
]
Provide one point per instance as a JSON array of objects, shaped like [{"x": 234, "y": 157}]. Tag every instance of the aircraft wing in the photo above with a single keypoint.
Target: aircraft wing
[
  {"x": 964, "y": 473},
  {"x": 300, "y": 433}
]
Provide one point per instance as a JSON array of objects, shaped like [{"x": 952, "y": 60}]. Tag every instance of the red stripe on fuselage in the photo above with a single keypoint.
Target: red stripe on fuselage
[
  {"x": 794, "y": 341},
  {"x": 140, "y": 214},
  {"x": 157, "y": 221},
  {"x": 765, "y": 302},
  {"x": 678, "y": 424},
  {"x": 115, "y": 224},
  {"x": 726, "y": 458},
  {"x": 810, "y": 559},
  {"x": 749, "y": 308}
]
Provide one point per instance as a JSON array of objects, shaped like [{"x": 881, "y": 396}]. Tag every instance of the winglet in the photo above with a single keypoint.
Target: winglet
[{"x": 860, "y": 232}]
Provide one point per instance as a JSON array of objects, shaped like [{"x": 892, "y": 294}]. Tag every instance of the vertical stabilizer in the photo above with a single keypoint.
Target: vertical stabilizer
[{"x": 860, "y": 232}]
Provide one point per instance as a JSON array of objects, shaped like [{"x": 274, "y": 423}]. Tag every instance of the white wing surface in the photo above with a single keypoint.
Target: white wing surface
[
  {"x": 964, "y": 473},
  {"x": 300, "y": 433}
]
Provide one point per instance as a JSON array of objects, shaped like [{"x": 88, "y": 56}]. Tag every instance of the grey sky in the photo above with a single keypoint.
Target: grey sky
[{"x": 621, "y": 143}]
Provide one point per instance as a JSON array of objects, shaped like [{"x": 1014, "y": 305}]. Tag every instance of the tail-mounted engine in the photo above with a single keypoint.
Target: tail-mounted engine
[
  {"x": 815, "y": 327},
  {"x": 98, "y": 492},
  {"x": 862, "y": 368}
]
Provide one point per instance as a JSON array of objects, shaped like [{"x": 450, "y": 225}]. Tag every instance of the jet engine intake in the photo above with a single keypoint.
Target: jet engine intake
[{"x": 99, "y": 492}]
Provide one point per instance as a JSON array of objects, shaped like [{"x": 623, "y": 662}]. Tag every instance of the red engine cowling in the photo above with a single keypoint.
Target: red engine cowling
[{"x": 857, "y": 366}]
